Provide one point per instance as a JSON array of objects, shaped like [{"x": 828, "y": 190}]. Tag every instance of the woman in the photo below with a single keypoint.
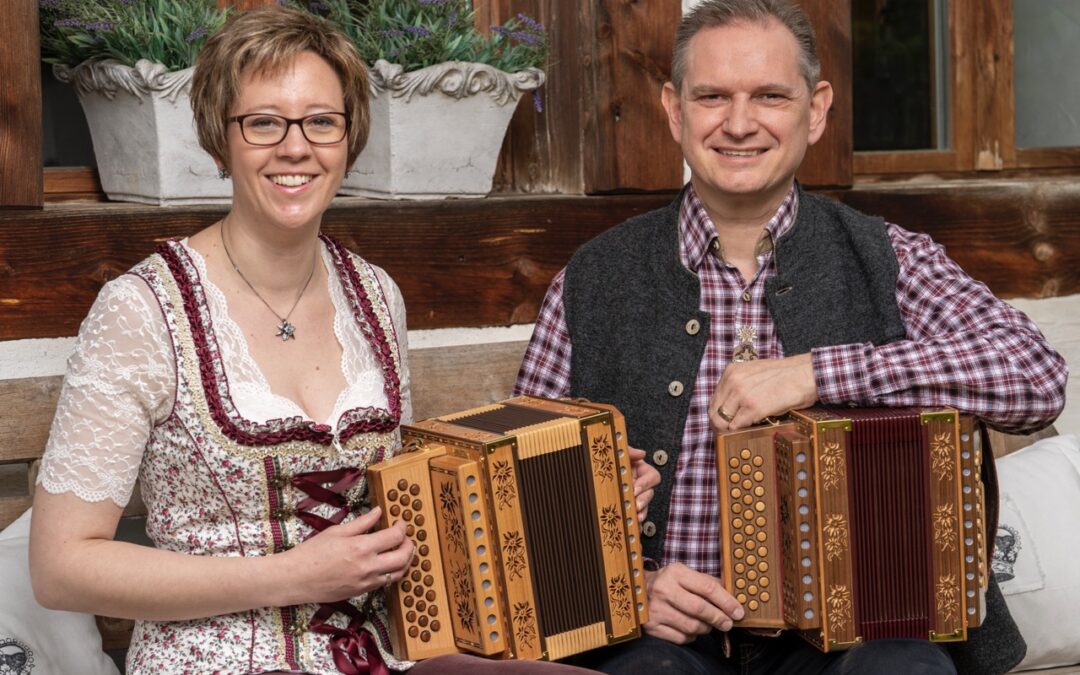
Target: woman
[{"x": 246, "y": 376}]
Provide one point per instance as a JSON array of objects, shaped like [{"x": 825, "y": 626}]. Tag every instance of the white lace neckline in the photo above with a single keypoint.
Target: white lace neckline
[{"x": 248, "y": 386}]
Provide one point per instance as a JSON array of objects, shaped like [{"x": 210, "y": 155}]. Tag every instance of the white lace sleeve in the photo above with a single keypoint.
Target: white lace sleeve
[
  {"x": 120, "y": 382},
  {"x": 397, "y": 315}
]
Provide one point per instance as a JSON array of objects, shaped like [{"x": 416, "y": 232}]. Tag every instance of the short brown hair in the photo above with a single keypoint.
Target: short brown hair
[
  {"x": 266, "y": 40},
  {"x": 714, "y": 13}
]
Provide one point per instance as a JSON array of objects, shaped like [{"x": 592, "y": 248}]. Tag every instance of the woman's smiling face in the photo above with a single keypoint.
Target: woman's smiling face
[{"x": 289, "y": 185}]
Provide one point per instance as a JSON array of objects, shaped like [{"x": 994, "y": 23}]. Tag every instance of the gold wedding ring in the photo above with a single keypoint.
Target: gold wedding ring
[
  {"x": 389, "y": 580},
  {"x": 726, "y": 417}
]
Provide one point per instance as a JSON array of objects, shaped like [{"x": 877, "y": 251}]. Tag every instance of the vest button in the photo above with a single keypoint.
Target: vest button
[
  {"x": 693, "y": 326},
  {"x": 648, "y": 528},
  {"x": 746, "y": 296},
  {"x": 660, "y": 457},
  {"x": 675, "y": 388}
]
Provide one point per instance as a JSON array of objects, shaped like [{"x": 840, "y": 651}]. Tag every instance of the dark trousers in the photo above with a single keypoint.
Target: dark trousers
[{"x": 753, "y": 655}]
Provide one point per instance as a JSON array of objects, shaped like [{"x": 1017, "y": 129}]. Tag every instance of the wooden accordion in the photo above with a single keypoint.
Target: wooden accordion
[
  {"x": 852, "y": 524},
  {"x": 526, "y": 530}
]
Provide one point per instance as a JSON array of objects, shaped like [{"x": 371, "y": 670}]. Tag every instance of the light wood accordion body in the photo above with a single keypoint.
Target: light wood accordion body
[
  {"x": 855, "y": 524},
  {"x": 526, "y": 531}
]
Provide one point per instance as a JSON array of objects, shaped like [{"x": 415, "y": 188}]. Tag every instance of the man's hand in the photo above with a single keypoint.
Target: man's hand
[
  {"x": 750, "y": 391},
  {"x": 646, "y": 478},
  {"x": 684, "y": 604}
]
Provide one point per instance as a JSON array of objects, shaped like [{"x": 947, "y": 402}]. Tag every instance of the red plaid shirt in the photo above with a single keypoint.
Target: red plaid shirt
[{"x": 965, "y": 348}]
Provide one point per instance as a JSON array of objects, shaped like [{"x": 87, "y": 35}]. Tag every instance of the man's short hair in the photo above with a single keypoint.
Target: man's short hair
[
  {"x": 266, "y": 40},
  {"x": 713, "y": 13}
]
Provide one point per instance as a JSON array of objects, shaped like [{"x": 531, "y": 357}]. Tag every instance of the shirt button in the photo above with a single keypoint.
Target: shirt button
[
  {"x": 715, "y": 244},
  {"x": 659, "y": 457},
  {"x": 648, "y": 528},
  {"x": 675, "y": 388},
  {"x": 693, "y": 326},
  {"x": 746, "y": 296}
]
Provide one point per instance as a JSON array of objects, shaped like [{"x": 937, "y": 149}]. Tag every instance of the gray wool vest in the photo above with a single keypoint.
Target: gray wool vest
[{"x": 629, "y": 301}]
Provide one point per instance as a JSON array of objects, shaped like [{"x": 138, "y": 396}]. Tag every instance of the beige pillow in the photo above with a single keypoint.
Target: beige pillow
[
  {"x": 38, "y": 640},
  {"x": 1059, "y": 320}
]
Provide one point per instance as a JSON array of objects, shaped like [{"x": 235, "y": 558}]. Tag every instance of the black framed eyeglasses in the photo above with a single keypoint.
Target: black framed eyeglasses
[{"x": 266, "y": 129}]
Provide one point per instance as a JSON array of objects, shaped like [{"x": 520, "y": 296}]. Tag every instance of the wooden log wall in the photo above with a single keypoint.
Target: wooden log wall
[
  {"x": 602, "y": 128},
  {"x": 488, "y": 262},
  {"x": 20, "y": 106}
]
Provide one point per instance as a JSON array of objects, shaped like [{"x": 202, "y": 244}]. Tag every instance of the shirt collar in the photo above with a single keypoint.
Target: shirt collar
[{"x": 697, "y": 233}]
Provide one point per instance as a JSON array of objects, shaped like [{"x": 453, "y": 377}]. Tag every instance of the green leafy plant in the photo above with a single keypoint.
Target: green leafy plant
[
  {"x": 419, "y": 33},
  {"x": 169, "y": 32}
]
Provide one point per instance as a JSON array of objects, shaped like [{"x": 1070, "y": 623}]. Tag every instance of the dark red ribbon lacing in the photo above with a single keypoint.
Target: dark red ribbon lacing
[{"x": 353, "y": 648}]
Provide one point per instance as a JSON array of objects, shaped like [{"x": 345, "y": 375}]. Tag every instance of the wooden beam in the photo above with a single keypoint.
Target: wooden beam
[
  {"x": 20, "y": 106},
  {"x": 626, "y": 142},
  {"x": 829, "y": 161},
  {"x": 458, "y": 262},
  {"x": 995, "y": 136},
  {"x": 1022, "y": 239},
  {"x": 602, "y": 128}
]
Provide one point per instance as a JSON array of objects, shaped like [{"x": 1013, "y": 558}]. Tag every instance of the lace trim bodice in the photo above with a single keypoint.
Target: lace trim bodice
[{"x": 121, "y": 381}]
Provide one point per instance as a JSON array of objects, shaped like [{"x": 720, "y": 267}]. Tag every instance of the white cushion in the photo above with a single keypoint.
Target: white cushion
[
  {"x": 1059, "y": 320},
  {"x": 43, "y": 641},
  {"x": 1037, "y": 559}
]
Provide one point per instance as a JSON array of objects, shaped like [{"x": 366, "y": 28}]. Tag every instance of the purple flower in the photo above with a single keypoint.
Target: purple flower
[
  {"x": 502, "y": 30},
  {"x": 530, "y": 22},
  {"x": 99, "y": 25},
  {"x": 538, "y": 103},
  {"x": 452, "y": 20},
  {"x": 195, "y": 34},
  {"x": 391, "y": 33},
  {"x": 527, "y": 37},
  {"x": 432, "y": 2},
  {"x": 69, "y": 23},
  {"x": 418, "y": 30}
]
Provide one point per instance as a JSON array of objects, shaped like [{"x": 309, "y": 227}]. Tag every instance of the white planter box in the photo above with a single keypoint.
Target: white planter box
[
  {"x": 436, "y": 132},
  {"x": 143, "y": 132}
]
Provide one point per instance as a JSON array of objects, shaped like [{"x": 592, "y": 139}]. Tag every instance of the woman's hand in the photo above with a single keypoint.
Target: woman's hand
[
  {"x": 347, "y": 560},
  {"x": 646, "y": 478}
]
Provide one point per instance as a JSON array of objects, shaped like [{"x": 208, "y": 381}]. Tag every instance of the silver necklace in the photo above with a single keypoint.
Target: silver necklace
[{"x": 285, "y": 330}]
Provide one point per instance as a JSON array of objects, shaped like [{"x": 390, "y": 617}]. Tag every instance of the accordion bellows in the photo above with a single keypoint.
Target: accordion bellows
[
  {"x": 855, "y": 524},
  {"x": 526, "y": 531}
]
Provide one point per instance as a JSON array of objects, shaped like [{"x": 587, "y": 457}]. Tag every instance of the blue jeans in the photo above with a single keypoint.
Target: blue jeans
[{"x": 753, "y": 655}]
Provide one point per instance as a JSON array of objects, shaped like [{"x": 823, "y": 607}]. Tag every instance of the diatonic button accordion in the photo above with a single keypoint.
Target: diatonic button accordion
[
  {"x": 855, "y": 524},
  {"x": 526, "y": 532}
]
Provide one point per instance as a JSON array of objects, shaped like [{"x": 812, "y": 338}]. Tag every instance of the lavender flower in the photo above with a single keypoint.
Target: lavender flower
[
  {"x": 538, "y": 103},
  {"x": 527, "y": 37},
  {"x": 419, "y": 30},
  {"x": 530, "y": 22},
  {"x": 69, "y": 23},
  {"x": 391, "y": 33},
  {"x": 99, "y": 25},
  {"x": 195, "y": 34},
  {"x": 502, "y": 30},
  {"x": 432, "y": 2}
]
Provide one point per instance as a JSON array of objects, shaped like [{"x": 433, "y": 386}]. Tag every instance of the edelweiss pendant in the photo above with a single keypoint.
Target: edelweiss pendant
[
  {"x": 286, "y": 331},
  {"x": 745, "y": 349}
]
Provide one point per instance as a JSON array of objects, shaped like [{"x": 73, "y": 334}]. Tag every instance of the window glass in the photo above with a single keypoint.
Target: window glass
[
  {"x": 900, "y": 66},
  {"x": 1046, "y": 81}
]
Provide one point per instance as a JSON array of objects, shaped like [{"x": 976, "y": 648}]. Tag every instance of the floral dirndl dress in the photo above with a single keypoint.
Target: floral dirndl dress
[{"x": 217, "y": 484}]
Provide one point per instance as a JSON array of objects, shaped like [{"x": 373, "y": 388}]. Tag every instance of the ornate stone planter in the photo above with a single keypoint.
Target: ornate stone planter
[
  {"x": 143, "y": 133},
  {"x": 436, "y": 132}
]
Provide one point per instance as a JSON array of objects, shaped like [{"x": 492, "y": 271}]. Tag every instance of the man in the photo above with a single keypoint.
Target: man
[{"x": 748, "y": 297}]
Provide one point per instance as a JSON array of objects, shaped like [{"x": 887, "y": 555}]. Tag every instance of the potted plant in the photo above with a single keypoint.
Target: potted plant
[
  {"x": 130, "y": 64},
  {"x": 442, "y": 92}
]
